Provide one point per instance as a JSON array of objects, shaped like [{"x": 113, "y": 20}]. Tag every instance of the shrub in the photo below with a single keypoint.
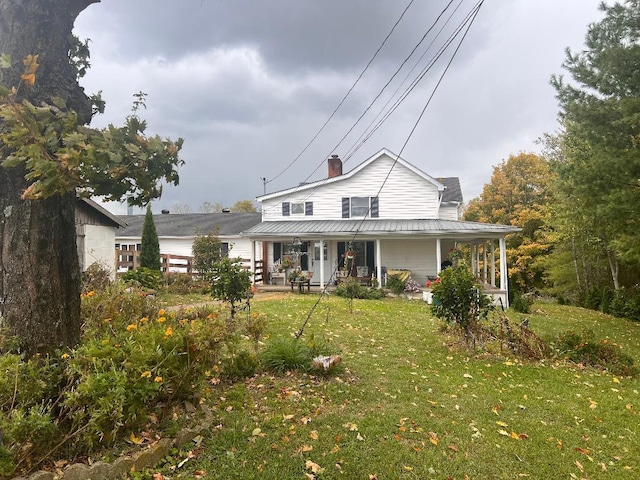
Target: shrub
[
  {"x": 96, "y": 277},
  {"x": 521, "y": 302},
  {"x": 143, "y": 277},
  {"x": 184, "y": 284},
  {"x": 133, "y": 359},
  {"x": 231, "y": 282},
  {"x": 395, "y": 284},
  {"x": 583, "y": 348},
  {"x": 352, "y": 289},
  {"x": 282, "y": 354},
  {"x": 243, "y": 364},
  {"x": 460, "y": 301}
]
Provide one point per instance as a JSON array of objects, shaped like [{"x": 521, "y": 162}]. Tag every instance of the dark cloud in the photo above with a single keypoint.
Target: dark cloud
[{"x": 248, "y": 83}]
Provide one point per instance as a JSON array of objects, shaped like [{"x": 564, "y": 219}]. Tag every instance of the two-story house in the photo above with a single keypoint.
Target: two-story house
[{"x": 385, "y": 214}]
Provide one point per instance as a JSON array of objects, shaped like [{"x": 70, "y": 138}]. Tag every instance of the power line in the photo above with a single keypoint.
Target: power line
[
  {"x": 345, "y": 97},
  {"x": 469, "y": 22}
]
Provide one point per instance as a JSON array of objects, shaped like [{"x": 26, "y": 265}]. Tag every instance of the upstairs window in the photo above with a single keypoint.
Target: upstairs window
[
  {"x": 358, "y": 207},
  {"x": 297, "y": 208}
]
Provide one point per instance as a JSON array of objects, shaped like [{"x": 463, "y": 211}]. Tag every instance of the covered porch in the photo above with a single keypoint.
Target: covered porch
[{"x": 328, "y": 251}]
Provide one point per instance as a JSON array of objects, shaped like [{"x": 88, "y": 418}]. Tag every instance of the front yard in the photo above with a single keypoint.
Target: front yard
[{"x": 409, "y": 402}]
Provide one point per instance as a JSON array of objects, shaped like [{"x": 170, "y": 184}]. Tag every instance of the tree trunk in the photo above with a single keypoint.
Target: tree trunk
[{"x": 39, "y": 268}]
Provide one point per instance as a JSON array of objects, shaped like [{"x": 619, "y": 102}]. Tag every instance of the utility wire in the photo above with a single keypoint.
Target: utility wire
[
  {"x": 385, "y": 86},
  {"x": 343, "y": 98},
  {"x": 415, "y": 126},
  {"x": 413, "y": 84}
]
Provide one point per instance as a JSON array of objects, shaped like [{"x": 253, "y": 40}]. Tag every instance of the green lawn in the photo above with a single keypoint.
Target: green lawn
[{"x": 408, "y": 402}]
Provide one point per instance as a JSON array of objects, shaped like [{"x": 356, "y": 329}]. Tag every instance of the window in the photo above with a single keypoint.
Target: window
[
  {"x": 358, "y": 207},
  {"x": 224, "y": 249},
  {"x": 297, "y": 208}
]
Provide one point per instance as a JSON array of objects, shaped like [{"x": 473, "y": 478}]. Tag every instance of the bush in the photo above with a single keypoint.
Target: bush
[
  {"x": 395, "y": 284},
  {"x": 460, "y": 301},
  {"x": 133, "y": 360},
  {"x": 282, "y": 354},
  {"x": 184, "y": 284},
  {"x": 96, "y": 277},
  {"x": 352, "y": 289},
  {"x": 521, "y": 302},
  {"x": 583, "y": 348},
  {"x": 143, "y": 277}
]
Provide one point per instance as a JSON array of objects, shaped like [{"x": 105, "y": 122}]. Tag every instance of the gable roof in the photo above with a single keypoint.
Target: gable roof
[
  {"x": 97, "y": 210},
  {"x": 191, "y": 224},
  {"x": 350, "y": 174},
  {"x": 452, "y": 192}
]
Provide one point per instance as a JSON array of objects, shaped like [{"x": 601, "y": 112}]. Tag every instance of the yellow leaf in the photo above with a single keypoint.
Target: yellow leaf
[
  {"x": 256, "y": 432},
  {"x": 408, "y": 469},
  {"x": 615, "y": 380},
  {"x": 514, "y": 435},
  {"x": 286, "y": 417},
  {"x": 502, "y": 424},
  {"x": 305, "y": 448},
  {"x": 503, "y": 432},
  {"x": 135, "y": 440},
  {"x": 579, "y": 465},
  {"x": 29, "y": 79},
  {"x": 314, "y": 434}
]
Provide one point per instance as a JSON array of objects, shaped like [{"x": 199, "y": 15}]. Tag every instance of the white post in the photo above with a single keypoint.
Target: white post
[
  {"x": 438, "y": 255},
  {"x": 473, "y": 258},
  {"x": 378, "y": 263},
  {"x": 252, "y": 266},
  {"x": 322, "y": 285},
  {"x": 484, "y": 261},
  {"x": 493, "y": 263},
  {"x": 504, "y": 284}
]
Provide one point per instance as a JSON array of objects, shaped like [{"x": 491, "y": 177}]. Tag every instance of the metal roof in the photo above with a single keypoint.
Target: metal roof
[
  {"x": 190, "y": 224},
  {"x": 377, "y": 227}
]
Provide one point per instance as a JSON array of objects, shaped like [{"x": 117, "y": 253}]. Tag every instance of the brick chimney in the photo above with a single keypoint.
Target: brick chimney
[{"x": 335, "y": 166}]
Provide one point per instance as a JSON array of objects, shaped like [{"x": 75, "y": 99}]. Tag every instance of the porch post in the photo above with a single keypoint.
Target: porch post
[
  {"x": 378, "y": 263},
  {"x": 493, "y": 262},
  {"x": 252, "y": 260},
  {"x": 504, "y": 284},
  {"x": 322, "y": 285},
  {"x": 473, "y": 258},
  {"x": 484, "y": 261},
  {"x": 438, "y": 255}
]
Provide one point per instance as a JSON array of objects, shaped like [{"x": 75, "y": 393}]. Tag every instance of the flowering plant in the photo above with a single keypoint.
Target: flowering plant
[{"x": 430, "y": 283}]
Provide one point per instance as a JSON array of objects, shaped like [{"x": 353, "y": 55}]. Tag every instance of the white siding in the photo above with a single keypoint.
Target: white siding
[
  {"x": 419, "y": 256},
  {"x": 98, "y": 248},
  {"x": 449, "y": 212},
  {"x": 405, "y": 195}
]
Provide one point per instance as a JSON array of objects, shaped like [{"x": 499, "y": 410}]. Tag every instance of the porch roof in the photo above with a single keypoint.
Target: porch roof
[{"x": 379, "y": 227}]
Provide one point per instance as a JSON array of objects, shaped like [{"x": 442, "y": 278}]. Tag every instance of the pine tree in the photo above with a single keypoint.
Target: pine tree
[{"x": 150, "y": 251}]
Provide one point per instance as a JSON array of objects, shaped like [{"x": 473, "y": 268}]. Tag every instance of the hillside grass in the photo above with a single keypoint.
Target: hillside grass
[{"x": 408, "y": 401}]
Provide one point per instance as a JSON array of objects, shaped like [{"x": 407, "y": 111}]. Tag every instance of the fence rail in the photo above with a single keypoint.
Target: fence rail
[{"x": 130, "y": 260}]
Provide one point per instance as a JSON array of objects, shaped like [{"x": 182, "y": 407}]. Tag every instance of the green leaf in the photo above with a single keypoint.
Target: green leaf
[{"x": 5, "y": 60}]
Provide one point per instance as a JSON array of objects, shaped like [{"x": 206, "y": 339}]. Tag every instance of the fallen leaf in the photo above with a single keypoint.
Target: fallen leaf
[
  {"x": 256, "y": 432},
  {"x": 503, "y": 432},
  {"x": 454, "y": 448},
  {"x": 467, "y": 375},
  {"x": 502, "y": 424},
  {"x": 314, "y": 467},
  {"x": 579, "y": 465},
  {"x": 314, "y": 434}
]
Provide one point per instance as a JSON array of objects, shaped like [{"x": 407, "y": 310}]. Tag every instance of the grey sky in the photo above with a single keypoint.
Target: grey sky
[{"x": 248, "y": 83}]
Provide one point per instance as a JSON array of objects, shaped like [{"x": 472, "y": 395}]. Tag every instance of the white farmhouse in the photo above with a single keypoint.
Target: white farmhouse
[{"x": 383, "y": 215}]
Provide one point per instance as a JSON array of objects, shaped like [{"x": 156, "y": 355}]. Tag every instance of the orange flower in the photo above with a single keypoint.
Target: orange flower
[
  {"x": 146, "y": 374},
  {"x": 132, "y": 327},
  {"x": 162, "y": 312},
  {"x": 162, "y": 319},
  {"x": 168, "y": 332},
  {"x": 158, "y": 379},
  {"x": 144, "y": 320}
]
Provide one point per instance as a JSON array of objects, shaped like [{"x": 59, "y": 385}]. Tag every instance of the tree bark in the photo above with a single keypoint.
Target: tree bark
[{"x": 39, "y": 268}]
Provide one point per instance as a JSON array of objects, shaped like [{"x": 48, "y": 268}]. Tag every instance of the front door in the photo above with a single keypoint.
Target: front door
[{"x": 316, "y": 258}]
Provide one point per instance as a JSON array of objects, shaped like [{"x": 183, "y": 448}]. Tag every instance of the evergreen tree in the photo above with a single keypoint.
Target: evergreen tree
[
  {"x": 150, "y": 251},
  {"x": 600, "y": 169}
]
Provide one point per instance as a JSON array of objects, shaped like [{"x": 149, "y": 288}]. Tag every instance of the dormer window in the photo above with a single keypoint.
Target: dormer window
[{"x": 297, "y": 208}]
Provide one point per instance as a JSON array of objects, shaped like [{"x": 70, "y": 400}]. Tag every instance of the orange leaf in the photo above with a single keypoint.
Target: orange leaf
[{"x": 454, "y": 448}]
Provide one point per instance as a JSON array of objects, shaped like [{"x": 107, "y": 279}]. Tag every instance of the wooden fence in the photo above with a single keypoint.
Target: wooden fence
[{"x": 130, "y": 260}]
